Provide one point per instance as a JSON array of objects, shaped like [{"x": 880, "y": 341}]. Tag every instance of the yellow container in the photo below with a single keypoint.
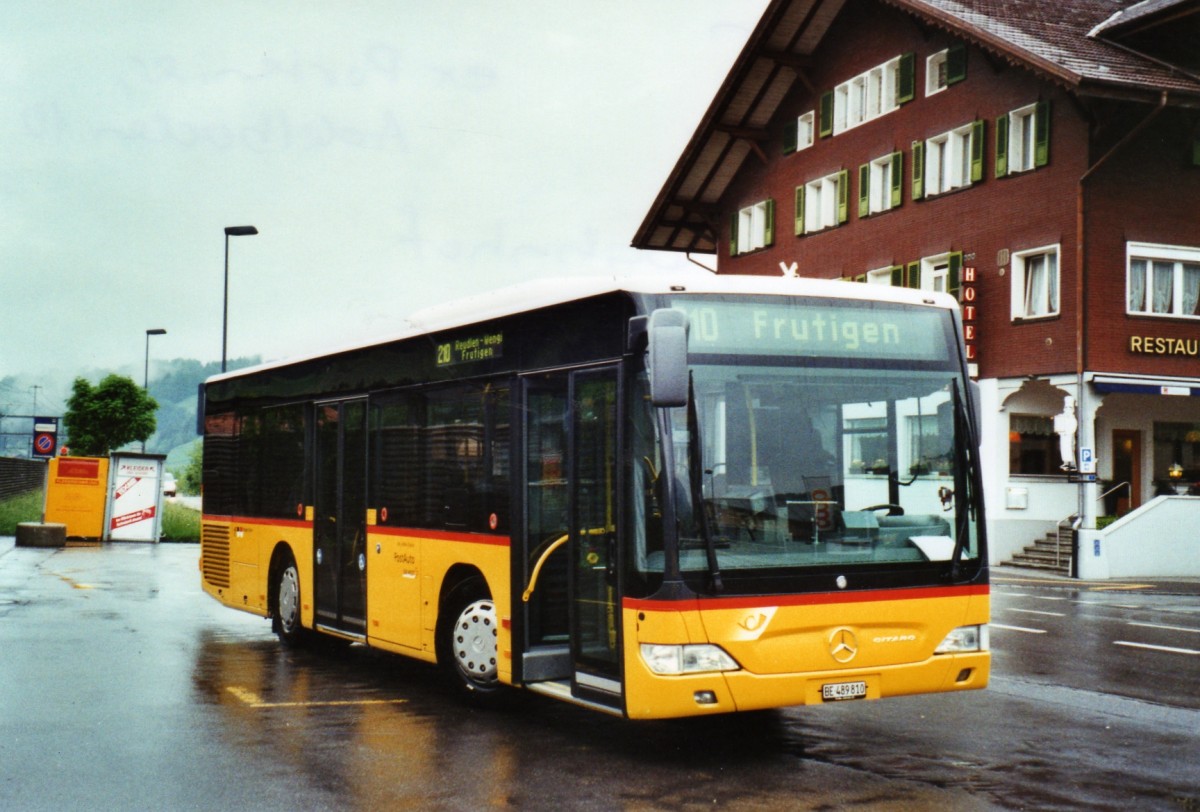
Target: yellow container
[{"x": 75, "y": 495}]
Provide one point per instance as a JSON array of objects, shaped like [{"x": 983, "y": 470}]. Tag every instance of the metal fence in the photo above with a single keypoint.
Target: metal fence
[{"x": 19, "y": 476}]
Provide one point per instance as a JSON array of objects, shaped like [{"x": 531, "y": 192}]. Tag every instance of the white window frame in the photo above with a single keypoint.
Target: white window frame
[
  {"x": 866, "y": 97},
  {"x": 1022, "y": 139},
  {"x": 1045, "y": 302},
  {"x": 948, "y": 161},
  {"x": 806, "y": 130},
  {"x": 935, "y": 72},
  {"x": 821, "y": 203},
  {"x": 1169, "y": 270},
  {"x": 880, "y": 276},
  {"x": 752, "y": 227},
  {"x": 879, "y": 197},
  {"x": 935, "y": 273}
]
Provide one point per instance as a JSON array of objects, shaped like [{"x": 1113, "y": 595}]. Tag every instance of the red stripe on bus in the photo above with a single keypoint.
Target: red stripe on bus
[
  {"x": 438, "y": 535},
  {"x": 810, "y": 599},
  {"x": 207, "y": 517},
  {"x": 441, "y": 535}
]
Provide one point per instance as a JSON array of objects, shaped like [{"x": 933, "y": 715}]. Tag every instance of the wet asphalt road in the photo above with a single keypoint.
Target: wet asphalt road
[{"x": 123, "y": 687}]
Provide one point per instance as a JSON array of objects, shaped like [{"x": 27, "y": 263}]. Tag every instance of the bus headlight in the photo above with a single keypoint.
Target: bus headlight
[
  {"x": 965, "y": 638},
  {"x": 689, "y": 659}
]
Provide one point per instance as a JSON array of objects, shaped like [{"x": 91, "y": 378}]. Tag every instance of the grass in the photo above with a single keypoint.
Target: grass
[
  {"x": 24, "y": 508},
  {"x": 180, "y": 523}
]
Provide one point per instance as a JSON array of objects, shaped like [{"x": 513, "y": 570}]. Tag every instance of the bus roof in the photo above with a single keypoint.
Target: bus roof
[{"x": 540, "y": 293}]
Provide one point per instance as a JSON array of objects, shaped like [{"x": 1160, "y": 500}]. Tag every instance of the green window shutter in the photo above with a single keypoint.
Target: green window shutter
[
  {"x": 1002, "y": 146},
  {"x": 790, "y": 136},
  {"x": 733, "y": 234},
  {"x": 843, "y": 212},
  {"x": 769, "y": 236},
  {"x": 826, "y": 123},
  {"x": 897, "y": 276},
  {"x": 906, "y": 78},
  {"x": 954, "y": 274},
  {"x": 1041, "y": 134},
  {"x": 977, "y": 134},
  {"x": 799, "y": 211},
  {"x": 914, "y": 276},
  {"x": 918, "y": 170},
  {"x": 864, "y": 190},
  {"x": 897, "y": 178},
  {"x": 956, "y": 64}
]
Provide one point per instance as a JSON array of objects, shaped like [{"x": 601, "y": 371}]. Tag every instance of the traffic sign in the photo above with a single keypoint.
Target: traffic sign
[{"x": 45, "y": 437}]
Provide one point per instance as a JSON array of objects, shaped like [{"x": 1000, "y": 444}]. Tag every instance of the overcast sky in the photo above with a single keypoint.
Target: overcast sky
[{"x": 393, "y": 155}]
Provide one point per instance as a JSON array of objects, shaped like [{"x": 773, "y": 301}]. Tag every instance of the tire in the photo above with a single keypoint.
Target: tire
[
  {"x": 286, "y": 622},
  {"x": 467, "y": 647}
]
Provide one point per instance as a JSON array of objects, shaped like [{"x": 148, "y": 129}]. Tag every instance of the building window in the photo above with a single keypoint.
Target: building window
[
  {"x": 1032, "y": 445},
  {"x": 1163, "y": 280},
  {"x": 1035, "y": 283},
  {"x": 1023, "y": 139},
  {"x": 1176, "y": 458},
  {"x": 879, "y": 184},
  {"x": 752, "y": 228},
  {"x": 948, "y": 161},
  {"x": 799, "y": 134},
  {"x": 945, "y": 68},
  {"x": 868, "y": 96},
  {"x": 880, "y": 276},
  {"x": 822, "y": 203}
]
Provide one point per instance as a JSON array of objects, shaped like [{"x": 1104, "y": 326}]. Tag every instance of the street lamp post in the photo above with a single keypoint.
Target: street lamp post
[
  {"x": 154, "y": 331},
  {"x": 230, "y": 231}
]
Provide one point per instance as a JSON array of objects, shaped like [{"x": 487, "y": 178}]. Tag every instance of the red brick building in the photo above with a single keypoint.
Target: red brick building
[{"x": 1039, "y": 159}]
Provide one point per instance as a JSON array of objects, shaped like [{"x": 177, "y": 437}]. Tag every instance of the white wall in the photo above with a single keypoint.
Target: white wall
[{"x": 1157, "y": 540}]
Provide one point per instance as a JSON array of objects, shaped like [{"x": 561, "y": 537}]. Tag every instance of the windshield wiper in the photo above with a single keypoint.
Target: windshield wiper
[
  {"x": 963, "y": 476},
  {"x": 695, "y": 480}
]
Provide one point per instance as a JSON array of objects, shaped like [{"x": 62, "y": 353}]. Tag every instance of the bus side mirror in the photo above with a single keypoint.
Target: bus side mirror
[{"x": 667, "y": 357}]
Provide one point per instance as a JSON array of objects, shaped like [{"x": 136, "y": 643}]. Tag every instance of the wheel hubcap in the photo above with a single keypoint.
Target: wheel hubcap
[
  {"x": 475, "y": 641},
  {"x": 289, "y": 599}
]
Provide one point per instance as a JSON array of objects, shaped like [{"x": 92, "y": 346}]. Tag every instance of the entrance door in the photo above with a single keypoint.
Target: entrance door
[
  {"x": 340, "y": 516},
  {"x": 1127, "y": 467},
  {"x": 571, "y": 501}
]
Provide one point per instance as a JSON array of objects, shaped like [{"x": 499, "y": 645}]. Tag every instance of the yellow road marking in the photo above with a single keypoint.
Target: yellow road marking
[
  {"x": 253, "y": 700},
  {"x": 1095, "y": 586}
]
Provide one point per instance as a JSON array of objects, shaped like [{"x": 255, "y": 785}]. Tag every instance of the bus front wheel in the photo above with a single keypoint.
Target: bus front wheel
[{"x": 467, "y": 632}]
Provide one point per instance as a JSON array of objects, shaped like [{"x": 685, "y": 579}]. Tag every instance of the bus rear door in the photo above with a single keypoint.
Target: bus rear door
[{"x": 340, "y": 516}]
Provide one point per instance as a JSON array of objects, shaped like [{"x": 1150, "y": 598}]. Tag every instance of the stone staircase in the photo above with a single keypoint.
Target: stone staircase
[{"x": 1047, "y": 553}]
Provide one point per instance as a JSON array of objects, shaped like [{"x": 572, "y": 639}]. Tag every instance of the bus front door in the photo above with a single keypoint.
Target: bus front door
[
  {"x": 339, "y": 529},
  {"x": 572, "y": 615}
]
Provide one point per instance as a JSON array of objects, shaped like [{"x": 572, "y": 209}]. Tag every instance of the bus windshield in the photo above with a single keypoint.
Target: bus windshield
[{"x": 787, "y": 465}]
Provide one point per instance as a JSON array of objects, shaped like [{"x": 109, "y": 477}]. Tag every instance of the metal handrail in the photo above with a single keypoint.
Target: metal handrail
[
  {"x": 1074, "y": 521},
  {"x": 1117, "y": 487}
]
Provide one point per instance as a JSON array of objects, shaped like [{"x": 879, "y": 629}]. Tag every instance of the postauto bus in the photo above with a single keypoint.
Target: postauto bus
[{"x": 650, "y": 498}]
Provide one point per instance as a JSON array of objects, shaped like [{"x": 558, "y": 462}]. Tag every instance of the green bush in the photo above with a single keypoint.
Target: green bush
[
  {"x": 17, "y": 509},
  {"x": 180, "y": 523}
]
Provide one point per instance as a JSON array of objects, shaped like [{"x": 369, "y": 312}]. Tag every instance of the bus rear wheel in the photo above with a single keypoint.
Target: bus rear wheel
[
  {"x": 467, "y": 632},
  {"x": 287, "y": 604}
]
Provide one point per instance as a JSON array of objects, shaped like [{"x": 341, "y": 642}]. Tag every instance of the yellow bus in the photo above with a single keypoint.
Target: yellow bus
[{"x": 650, "y": 498}]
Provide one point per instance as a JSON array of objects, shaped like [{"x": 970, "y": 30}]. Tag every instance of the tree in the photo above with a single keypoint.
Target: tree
[
  {"x": 103, "y": 418},
  {"x": 193, "y": 475}
]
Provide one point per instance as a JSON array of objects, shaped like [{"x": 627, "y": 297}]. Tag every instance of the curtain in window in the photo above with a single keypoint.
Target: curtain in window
[
  {"x": 1164, "y": 286},
  {"x": 1040, "y": 289},
  {"x": 1137, "y": 285},
  {"x": 1191, "y": 288},
  {"x": 1052, "y": 282}
]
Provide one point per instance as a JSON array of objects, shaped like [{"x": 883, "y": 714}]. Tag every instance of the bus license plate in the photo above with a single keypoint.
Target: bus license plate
[{"x": 838, "y": 691}]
